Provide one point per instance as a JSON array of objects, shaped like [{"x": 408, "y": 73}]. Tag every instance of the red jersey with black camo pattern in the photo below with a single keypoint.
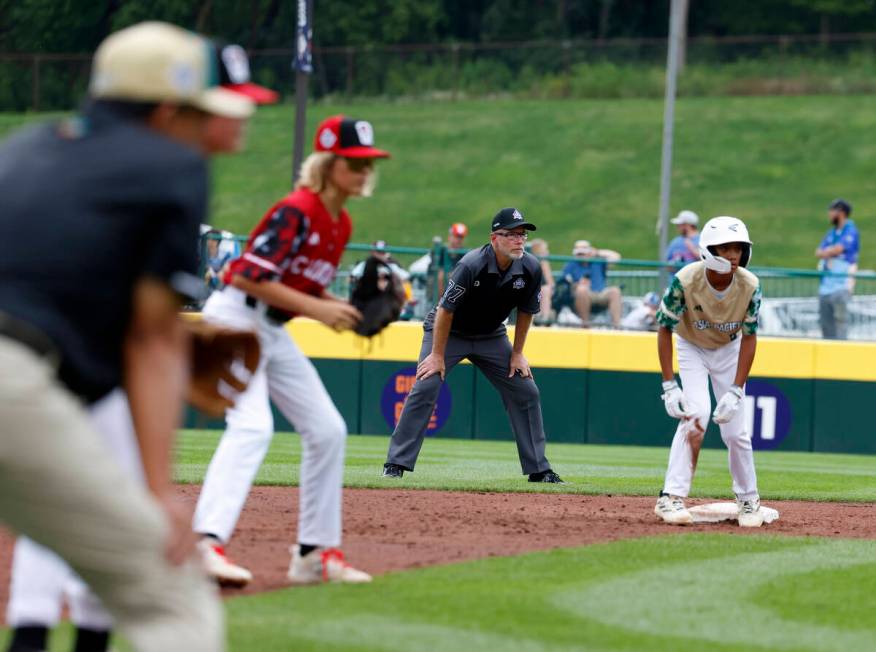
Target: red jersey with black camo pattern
[{"x": 297, "y": 242}]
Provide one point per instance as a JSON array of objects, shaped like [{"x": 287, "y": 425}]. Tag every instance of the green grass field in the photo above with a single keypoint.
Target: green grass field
[
  {"x": 466, "y": 465},
  {"x": 715, "y": 592},
  {"x": 584, "y": 168},
  {"x": 675, "y": 592},
  {"x": 670, "y": 593}
]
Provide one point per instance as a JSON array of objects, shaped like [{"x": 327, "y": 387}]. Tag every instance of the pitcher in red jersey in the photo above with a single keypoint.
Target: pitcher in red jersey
[{"x": 290, "y": 259}]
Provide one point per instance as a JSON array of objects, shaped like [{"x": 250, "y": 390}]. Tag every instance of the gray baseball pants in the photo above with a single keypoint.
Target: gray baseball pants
[{"x": 520, "y": 396}]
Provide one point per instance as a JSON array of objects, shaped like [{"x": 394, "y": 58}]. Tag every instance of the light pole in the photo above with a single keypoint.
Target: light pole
[{"x": 676, "y": 26}]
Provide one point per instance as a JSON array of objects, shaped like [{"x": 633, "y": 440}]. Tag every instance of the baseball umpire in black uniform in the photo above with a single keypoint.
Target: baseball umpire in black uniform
[{"x": 483, "y": 289}]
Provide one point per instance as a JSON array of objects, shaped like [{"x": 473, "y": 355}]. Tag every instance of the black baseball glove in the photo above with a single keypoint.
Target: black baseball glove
[{"x": 379, "y": 296}]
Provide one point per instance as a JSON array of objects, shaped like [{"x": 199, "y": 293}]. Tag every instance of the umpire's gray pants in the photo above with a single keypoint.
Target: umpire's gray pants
[
  {"x": 520, "y": 396},
  {"x": 60, "y": 487}
]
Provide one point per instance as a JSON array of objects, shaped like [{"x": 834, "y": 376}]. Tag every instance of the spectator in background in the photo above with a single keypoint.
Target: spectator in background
[
  {"x": 228, "y": 245},
  {"x": 456, "y": 240},
  {"x": 643, "y": 317},
  {"x": 539, "y": 248},
  {"x": 219, "y": 252},
  {"x": 684, "y": 248},
  {"x": 427, "y": 275},
  {"x": 588, "y": 279},
  {"x": 390, "y": 266},
  {"x": 379, "y": 251},
  {"x": 447, "y": 261},
  {"x": 837, "y": 254}
]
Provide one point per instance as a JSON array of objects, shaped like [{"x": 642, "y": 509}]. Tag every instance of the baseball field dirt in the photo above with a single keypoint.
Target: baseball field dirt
[{"x": 392, "y": 530}]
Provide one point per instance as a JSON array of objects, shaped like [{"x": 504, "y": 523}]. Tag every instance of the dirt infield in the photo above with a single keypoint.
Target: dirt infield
[{"x": 390, "y": 530}]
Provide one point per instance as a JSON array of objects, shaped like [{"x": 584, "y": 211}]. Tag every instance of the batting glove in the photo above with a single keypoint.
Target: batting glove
[
  {"x": 729, "y": 405},
  {"x": 674, "y": 401}
]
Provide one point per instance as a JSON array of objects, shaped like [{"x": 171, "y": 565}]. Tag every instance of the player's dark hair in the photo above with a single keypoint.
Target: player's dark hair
[{"x": 841, "y": 205}]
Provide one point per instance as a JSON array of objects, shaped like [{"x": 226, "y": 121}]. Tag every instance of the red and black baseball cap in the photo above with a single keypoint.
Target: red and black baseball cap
[
  {"x": 233, "y": 67},
  {"x": 347, "y": 137}
]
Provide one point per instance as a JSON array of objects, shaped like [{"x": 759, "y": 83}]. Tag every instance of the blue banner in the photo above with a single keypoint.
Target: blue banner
[{"x": 303, "y": 61}]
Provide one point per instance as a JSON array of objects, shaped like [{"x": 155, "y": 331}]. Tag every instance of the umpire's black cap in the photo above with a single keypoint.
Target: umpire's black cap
[{"x": 510, "y": 218}]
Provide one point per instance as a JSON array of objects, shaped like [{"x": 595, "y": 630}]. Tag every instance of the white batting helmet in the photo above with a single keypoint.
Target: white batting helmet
[{"x": 723, "y": 230}]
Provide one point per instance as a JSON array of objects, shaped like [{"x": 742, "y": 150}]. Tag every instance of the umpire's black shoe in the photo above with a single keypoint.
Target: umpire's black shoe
[
  {"x": 393, "y": 471},
  {"x": 546, "y": 476}
]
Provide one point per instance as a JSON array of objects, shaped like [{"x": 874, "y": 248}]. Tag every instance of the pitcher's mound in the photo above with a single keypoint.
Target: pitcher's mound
[{"x": 716, "y": 512}]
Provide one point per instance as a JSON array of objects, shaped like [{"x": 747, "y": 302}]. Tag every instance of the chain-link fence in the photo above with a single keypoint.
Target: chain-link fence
[
  {"x": 737, "y": 65},
  {"x": 790, "y": 308}
]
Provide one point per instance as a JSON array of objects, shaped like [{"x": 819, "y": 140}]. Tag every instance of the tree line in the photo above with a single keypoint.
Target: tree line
[{"x": 48, "y": 26}]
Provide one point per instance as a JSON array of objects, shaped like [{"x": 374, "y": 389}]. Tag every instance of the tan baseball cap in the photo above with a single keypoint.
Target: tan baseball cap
[{"x": 159, "y": 62}]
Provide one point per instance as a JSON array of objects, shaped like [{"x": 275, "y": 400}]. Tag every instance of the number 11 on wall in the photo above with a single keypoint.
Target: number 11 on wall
[{"x": 767, "y": 406}]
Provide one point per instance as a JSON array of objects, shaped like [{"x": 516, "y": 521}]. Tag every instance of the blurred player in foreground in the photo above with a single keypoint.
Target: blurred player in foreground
[
  {"x": 127, "y": 185},
  {"x": 40, "y": 581},
  {"x": 290, "y": 260},
  {"x": 712, "y": 305}
]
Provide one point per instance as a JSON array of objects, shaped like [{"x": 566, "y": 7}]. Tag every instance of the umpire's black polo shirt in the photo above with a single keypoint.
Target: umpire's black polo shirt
[
  {"x": 89, "y": 207},
  {"x": 481, "y": 296}
]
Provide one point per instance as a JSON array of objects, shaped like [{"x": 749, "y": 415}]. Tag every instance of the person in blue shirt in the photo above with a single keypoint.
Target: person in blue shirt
[
  {"x": 221, "y": 248},
  {"x": 588, "y": 280},
  {"x": 838, "y": 255},
  {"x": 684, "y": 248}
]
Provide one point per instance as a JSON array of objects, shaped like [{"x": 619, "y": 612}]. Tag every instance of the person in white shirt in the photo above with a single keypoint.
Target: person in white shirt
[{"x": 644, "y": 316}]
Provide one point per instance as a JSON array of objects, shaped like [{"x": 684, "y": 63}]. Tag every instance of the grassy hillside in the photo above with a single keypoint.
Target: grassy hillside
[{"x": 586, "y": 168}]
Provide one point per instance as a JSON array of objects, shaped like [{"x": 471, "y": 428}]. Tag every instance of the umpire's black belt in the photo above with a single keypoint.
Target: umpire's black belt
[
  {"x": 272, "y": 314},
  {"x": 30, "y": 336}
]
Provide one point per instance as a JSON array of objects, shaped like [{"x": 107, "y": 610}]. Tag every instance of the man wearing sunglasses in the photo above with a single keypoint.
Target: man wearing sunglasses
[
  {"x": 289, "y": 261},
  {"x": 483, "y": 289}
]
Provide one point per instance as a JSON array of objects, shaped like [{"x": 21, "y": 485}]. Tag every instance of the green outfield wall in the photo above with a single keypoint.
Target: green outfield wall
[{"x": 600, "y": 387}]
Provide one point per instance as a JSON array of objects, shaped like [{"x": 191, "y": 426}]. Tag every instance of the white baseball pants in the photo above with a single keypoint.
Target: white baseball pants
[
  {"x": 696, "y": 367},
  {"x": 41, "y": 580},
  {"x": 288, "y": 378}
]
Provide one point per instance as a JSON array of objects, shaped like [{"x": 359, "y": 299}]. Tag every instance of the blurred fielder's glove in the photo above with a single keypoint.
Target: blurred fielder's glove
[
  {"x": 673, "y": 399},
  {"x": 379, "y": 295},
  {"x": 729, "y": 405},
  {"x": 222, "y": 363}
]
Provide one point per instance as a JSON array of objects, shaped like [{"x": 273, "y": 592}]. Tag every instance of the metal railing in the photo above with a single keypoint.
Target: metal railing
[
  {"x": 790, "y": 305},
  {"x": 594, "y": 67}
]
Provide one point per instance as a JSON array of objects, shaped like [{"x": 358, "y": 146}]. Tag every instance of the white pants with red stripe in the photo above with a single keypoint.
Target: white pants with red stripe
[
  {"x": 697, "y": 366},
  {"x": 288, "y": 378},
  {"x": 42, "y": 581}
]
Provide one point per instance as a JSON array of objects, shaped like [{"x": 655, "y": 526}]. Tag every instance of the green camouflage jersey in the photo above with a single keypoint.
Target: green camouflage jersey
[{"x": 704, "y": 317}]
